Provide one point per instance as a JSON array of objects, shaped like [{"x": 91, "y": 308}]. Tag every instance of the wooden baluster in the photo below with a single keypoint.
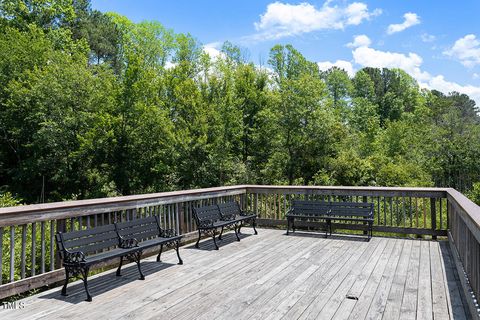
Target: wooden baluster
[
  {"x": 12, "y": 253},
  {"x": 433, "y": 215},
  {"x": 52, "y": 246},
  {"x": 42, "y": 248},
  {"x": 34, "y": 247},
  {"x": 23, "y": 252}
]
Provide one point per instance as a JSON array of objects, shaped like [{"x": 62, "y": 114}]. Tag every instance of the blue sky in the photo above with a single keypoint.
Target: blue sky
[{"x": 437, "y": 42}]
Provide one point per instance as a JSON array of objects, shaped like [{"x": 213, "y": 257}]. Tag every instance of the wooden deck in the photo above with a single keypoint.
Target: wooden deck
[{"x": 271, "y": 276}]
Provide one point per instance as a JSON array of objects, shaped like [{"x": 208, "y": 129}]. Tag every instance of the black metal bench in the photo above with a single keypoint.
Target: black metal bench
[
  {"x": 231, "y": 211},
  {"x": 210, "y": 218},
  {"x": 79, "y": 250},
  {"x": 358, "y": 212},
  {"x": 307, "y": 210},
  {"x": 146, "y": 233},
  {"x": 352, "y": 211}
]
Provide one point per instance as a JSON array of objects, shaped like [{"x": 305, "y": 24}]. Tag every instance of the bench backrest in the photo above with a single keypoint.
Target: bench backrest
[
  {"x": 88, "y": 241},
  {"x": 229, "y": 210},
  {"x": 206, "y": 215},
  {"x": 350, "y": 209},
  {"x": 310, "y": 208},
  {"x": 140, "y": 229}
]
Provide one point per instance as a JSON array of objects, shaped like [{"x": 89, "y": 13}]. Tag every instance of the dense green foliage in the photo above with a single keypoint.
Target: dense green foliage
[{"x": 94, "y": 105}]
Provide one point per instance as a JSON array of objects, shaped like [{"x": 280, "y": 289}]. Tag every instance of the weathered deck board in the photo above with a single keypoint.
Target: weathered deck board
[{"x": 271, "y": 276}]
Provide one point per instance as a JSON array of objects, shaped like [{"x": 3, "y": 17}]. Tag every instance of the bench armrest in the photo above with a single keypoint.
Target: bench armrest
[
  {"x": 75, "y": 257},
  {"x": 168, "y": 233},
  {"x": 128, "y": 243}
]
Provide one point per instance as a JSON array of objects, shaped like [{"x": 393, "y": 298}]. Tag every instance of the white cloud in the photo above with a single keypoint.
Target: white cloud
[
  {"x": 284, "y": 19},
  {"x": 212, "y": 50},
  {"x": 476, "y": 76},
  {"x": 369, "y": 57},
  {"x": 467, "y": 50},
  {"x": 411, "y": 19},
  {"x": 439, "y": 83},
  {"x": 411, "y": 63},
  {"x": 427, "y": 37},
  {"x": 342, "y": 64},
  {"x": 359, "y": 41}
]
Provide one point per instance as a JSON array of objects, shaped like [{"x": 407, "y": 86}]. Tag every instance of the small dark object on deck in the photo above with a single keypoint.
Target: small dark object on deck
[
  {"x": 81, "y": 249},
  {"x": 352, "y": 297},
  {"x": 224, "y": 215},
  {"x": 328, "y": 211}
]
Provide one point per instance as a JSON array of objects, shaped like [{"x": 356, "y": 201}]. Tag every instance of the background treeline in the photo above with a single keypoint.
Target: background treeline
[{"x": 94, "y": 105}]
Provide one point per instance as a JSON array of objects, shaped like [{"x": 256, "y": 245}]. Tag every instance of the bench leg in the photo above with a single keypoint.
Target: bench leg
[
  {"x": 199, "y": 236},
  {"x": 67, "y": 277},
  {"x": 120, "y": 267},
  {"x": 214, "y": 240},
  {"x": 84, "y": 272},
  {"x": 293, "y": 225},
  {"x": 254, "y": 225},
  {"x": 137, "y": 256},
  {"x": 220, "y": 236},
  {"x": 180, "y": 261},
  {"x": 240, "y": 227},
  {"x": 160, "y": 253},
  {"x": 288, "y": 226},
  {"x": 236, "y": 233}
]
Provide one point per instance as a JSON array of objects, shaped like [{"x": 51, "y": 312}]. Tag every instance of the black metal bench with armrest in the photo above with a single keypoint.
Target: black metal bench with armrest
[
  {"x": 307, "y": 210},
  {"x": 79, "y": 250},
  {"x": 230, "y": 211},
  {"x": 361, "y": 212},
  {"x": 209, "y": 219},
  {"x": 146, "y": 233}
]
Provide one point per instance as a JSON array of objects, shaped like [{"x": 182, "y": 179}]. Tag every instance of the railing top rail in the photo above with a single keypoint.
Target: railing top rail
[
  {"x": 40, "y": 212},
  {"x": 354, "y": 191},
  {"x": 55, "y": 210},
  {"x": 352, "y": 188},
  {"x": 471, "y": 210}
]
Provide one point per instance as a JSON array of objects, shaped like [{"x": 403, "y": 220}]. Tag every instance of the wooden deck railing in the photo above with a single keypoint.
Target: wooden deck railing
[{"x": 28, "y": 257}]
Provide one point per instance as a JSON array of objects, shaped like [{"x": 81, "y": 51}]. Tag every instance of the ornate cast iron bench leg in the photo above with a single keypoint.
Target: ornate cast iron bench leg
[
  {"x": 220, "y": 236},
  {"x": 199, "y": 236},
  {"x": 160, "y": 253},
  {"x": 137, "y": 256},
  {"x": 236, "y": 233},
  {"x": 67, "y": 277},
  {"x": 254, "y": 225},
  {"x": 214, "y": 241},
  {"x": 120, "y": 267},
  {"x": 84, "y": 272},
  {"x": 180, "y": 261}
]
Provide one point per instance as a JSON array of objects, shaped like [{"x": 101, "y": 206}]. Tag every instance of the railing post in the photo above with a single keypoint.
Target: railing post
[
  {"x": 181, "y": 217},
  {"x": 61, "y": 227},
  {"x": 433, "y": 216}
]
